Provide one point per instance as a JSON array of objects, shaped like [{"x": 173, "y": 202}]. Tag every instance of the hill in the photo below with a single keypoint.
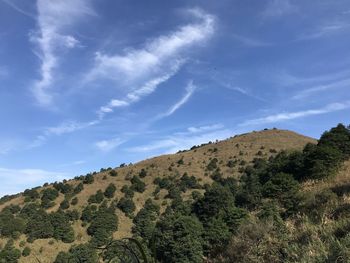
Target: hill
[{"x": 163, "y": 180}]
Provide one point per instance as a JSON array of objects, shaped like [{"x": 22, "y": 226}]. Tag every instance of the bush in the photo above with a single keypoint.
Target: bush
[
  {"x": 128, "y": 191},
  {"x": 26, "y": 252},
  {"x": 31, "y": 195},
  {"x": 143, "y": 173},
  {"x": 79, "y": 253},
  {"x": 212, "y": 165},
  {"x": 11, "y": 226},
  {"x": 137, "y": 184},
  {"x": 89, "y": 179},
  {"x": 9, "y": 254},
  {"x": 78, "y": 188},
  {"x": 48, "y": 195},
  {"x": 64, "y": 204},
  {"x": 110, "y": 190},
  {"x": 74, "y": 201},
  {"x": 126, "y": 205},
  {"x": 113, "y": 173},
  {"x": 62, "y": 229},
  {"x": 96, "y": 198},
  {"x": 284, "y": 188},
  {"x": 39, "y": 226}
]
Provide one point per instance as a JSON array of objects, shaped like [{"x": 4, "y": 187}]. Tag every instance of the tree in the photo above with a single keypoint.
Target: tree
[
  {"x": 77, "y": 254},
  {"x": 110, "y": 190},
  {"x": 284, "y": 188},
  {"x": 48, "y": 195},
  {"x": 104, "y": 223},
  {"x": 9, "y": 254},
  {"x": 179, "y": 239},
  {"x": 31, "y": 195},
  {"x": 11, "y": 226},
  {"x": 144, "y": 221},
  {"x": 62, "y": 228},
  {"x": 39, "y": 226}
]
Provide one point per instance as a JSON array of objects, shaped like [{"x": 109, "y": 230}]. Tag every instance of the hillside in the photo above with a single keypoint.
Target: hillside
[{"x": 189, "y": 171}]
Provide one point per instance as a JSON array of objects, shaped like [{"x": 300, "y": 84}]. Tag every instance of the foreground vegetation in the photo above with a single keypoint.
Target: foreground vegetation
[{"x": 286, "y": 208}]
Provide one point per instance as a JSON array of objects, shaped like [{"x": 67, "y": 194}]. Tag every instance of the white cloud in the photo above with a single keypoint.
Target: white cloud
[
  {"x": 157, "y": 54},
  {"x": 299, "y": 114},
  {"x": 189, "y": 91},
  {"x": 141, "y": 71},
  {"x": 54, "y": 17},
  {"x": 16, "y": 180},
  {"x": 63, "y": 128},
  {"x": 135, "y": 95},
  {"x": 108, "y": 145},
  {"x": 277, "y": 8},
  {"x": 184, "y": 140},
  {"x": 205, "y": 128},
  {"x": 310, "y": 91}
]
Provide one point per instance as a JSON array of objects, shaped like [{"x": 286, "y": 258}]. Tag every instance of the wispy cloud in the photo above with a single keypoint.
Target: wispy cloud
[
  {"x": 205, "y": 128},
  {"x": 326, "y": 30},
  {"x": 135, "y": 95},
  {"x": 184, "y": 140},
  {"x": 63, "y": 128},
  {"x": 189, "y": 91},
  {"x": 54, "y": 18},
  {"x": 316, "y": 89},
  {"x": 155, "y": 55},
  {"x": 141, "y": 71},
  {"x": 277, "y": 8},
  {"x": 16, "y": 180},
  {"x": 251, "y": 42},
  {"x": 18, "y": 8},
  {"x": 299, "y": 114},
  {"x": 108, "y": 145}
]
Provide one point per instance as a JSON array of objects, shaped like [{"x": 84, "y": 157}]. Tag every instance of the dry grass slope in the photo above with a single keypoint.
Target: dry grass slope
[{"x": 241, "y": 149}]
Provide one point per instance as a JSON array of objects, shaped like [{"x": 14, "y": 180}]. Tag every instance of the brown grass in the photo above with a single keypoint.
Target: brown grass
[{"x": 241, "y": 148}]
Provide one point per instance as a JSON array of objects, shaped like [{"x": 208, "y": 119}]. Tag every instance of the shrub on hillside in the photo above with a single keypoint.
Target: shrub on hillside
[{"x": 110, "y": 190}]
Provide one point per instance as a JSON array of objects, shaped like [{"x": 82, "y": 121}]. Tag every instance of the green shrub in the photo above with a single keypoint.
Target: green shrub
[
  {"x": 96, "y": 198},
  {"x": 137, "y": 184},
  {"x": 74, "y": 201},
  {"x": 110, "y": 190},
  {"x": 143, "y": 173},
  {"x": 89, "y": 179},
  {"x": 64, "y": 204},
  {"x": 26, "y": 252},
  {"x": 126, "y": 205}
]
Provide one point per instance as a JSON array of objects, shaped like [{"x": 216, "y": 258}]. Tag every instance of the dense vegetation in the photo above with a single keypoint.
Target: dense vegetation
[{"x": 262, "y": 216}]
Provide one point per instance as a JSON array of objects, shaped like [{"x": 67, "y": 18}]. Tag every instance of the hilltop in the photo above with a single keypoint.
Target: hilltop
[{"x": 155, "y": 184}]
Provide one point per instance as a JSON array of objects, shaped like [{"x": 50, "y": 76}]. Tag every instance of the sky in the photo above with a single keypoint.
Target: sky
[{"x": 87, "y": 84}]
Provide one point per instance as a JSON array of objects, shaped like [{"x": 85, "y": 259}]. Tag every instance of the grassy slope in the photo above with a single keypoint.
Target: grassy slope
[{"x": 241, "y": 148}]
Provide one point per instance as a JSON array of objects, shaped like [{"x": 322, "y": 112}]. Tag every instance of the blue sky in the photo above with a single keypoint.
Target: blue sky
[{"x": 86, "y": 84}]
